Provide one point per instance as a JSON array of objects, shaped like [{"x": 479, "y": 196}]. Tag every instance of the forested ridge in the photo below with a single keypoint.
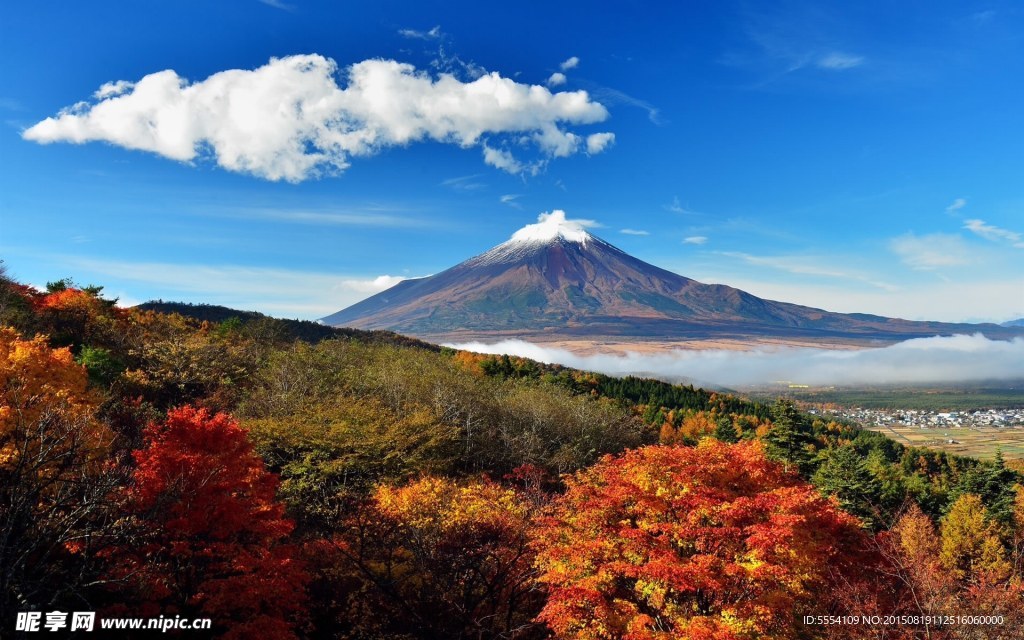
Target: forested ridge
[{"x": 296, "y": 481}]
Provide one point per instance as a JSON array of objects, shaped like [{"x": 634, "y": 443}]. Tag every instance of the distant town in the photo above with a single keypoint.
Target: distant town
[{"x": 1013, "y": 417}]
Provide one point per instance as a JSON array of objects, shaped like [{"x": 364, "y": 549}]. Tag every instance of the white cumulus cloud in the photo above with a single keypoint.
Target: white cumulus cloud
[
  {"x": 504, "y": 160},
  {"x": 960, "y": 358},
  {"x": 554, "y": 224},
  {"x": 376, "y": 285},
  {"x": 571, "y": 63},
  {"x": 556, "y": 79},
  {"x": 291, "y": 120},
  {"x": 598, "y": 142},
  {"x": 110, "y": 89}
]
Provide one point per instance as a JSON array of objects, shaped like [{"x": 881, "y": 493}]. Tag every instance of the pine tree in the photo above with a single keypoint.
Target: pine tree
[
  {"x": 843, "y": 473},
  {"x": 787, "y": 439},
  {"x": 993, "y": 483},
  {"x": 725, "y": 430}
]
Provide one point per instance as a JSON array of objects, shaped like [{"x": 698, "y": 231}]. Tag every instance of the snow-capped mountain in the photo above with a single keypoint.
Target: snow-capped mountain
[{"x": 556, "y": 279}]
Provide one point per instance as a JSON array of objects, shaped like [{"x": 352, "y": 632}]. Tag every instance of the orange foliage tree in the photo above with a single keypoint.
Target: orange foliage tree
[
  {"x": 687, "y": 427},
  {"x": 52, "y": 478},
  {"x": 712, "y": 541},
  {"x": 961, "y": 571},
  {"x": 438, "y": 559},
  {"x": 74, "y": 317},
  {"x": 209, "y": 538}
]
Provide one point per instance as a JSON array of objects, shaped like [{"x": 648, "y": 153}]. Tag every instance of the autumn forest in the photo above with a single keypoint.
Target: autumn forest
[{"x": 288, "y": 480}]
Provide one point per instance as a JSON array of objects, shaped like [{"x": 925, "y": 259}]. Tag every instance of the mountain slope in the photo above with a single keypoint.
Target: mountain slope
[{"x": 554, "y": 279}]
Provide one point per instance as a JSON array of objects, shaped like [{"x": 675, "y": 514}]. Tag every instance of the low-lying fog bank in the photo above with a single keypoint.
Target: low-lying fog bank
[{"x": 960, "y": 358}]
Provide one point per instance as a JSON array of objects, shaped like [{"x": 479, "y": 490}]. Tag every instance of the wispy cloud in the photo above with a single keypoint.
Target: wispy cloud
[
  {"x": 277, "y": 4},
  {"x": 431, "y": 34},
  {"x": 510, "y": 200},
  {"x": 993, "y": 233},
  {"x": 677, "y": 207},
  {"x": 983, "y": 17},
  {"x": 327, "y": 218},
  {"x": 612, "y": 97},
  {"x": 450, "y": 63},
  {"x": 804, "y": 265},
  {"x": 464, "y": 183},
  {"x": 785, "y": 40},
  {"x": 839, "y": 61},
  {"x": 286, "y": 292},
  {"x": 986, "y": 299},
  {"x": 635, "y": 232},
  {"x": 695, "y": 240},
  {"x": 956, "y": 205},
  {"x": 571, "y": 63},
  {"x": 958, "y": 358},
  {"x": 932, "y": 251},
  {"x": 290, "y": 120}
]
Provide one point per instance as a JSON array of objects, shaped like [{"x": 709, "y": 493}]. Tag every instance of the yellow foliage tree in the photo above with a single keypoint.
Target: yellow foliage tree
[
  {"x": 1018, "y": 532},
  {"x": 175, "y": 360},
  {"x": 441, "y": 559},
  {"x": 53, "y": 486},
  {"x": 36, "y": 384},
  {"x": 690, "y": 427},
  {"x": 912, "y": 548},
  {"x": 971, "y": 545},
  {"x": 915, "y": 534}
]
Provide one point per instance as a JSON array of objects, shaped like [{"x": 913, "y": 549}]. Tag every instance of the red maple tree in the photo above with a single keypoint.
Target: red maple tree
[
  {"x": 713, "y": 541},
  {"x": 209, "y": 539}
]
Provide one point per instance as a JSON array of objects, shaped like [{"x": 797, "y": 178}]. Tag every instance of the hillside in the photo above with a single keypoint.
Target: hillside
[
  {"x": 305, "y": 330},
  {"x": 357, "y": 474}
]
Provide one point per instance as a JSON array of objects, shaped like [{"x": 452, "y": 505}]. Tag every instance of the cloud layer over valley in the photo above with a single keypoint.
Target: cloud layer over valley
[
  {"x": 960, "y": 358},
  {"x": 290, "y": 120}
]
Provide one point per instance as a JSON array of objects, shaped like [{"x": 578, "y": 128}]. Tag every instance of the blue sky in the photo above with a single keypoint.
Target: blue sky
[{"x": 856, "y": 158}]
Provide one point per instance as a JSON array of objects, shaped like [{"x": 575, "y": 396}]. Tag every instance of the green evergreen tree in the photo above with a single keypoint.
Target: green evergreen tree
[
  {"x": 725, "y": 430},
  {"x": 844, "y": 473},
  {"x": 993, "y": 482},
  {"x": 788, "y": 437}
]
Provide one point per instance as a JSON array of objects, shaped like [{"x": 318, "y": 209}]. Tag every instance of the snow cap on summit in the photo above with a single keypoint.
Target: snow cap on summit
[{"x": 552, "y": 225}]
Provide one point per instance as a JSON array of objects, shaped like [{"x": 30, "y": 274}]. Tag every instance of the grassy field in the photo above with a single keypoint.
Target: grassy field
[
  {"x": 1004, "y": 395},
  {"x": 977, "y": 442}
]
